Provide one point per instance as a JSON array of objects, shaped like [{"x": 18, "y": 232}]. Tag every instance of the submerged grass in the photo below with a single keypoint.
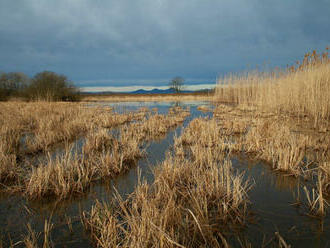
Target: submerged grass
[
  {"x": 31, "y": 239},
  {"x": 324, "y": 175}
]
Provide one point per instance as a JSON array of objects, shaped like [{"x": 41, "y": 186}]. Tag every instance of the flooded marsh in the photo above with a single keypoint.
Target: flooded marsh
[{"x": 165, "y": 174}]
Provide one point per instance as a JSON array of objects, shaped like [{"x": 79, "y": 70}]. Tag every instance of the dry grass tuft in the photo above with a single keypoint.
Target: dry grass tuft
[
  {"x": 324, "y": 175},
  {"x": 71, "y": 173},
  {"x": 188, "y": 205},
  {"x": 203, "y": 131},
  {"x": 195, "y": 197},
  {"x": 103, "y": 155},
  {"x": 107, "y": 120},
  {"x": 31, "y": 239},
  {"x": 112, "y": 156},
  {"x": 288, "y": 144},
  {"x": 60, "y": 177},
  {"x": 281, "y": 242},
  {"x": 203, "y": 108},
  {"x": 28, "y": 128},
  {"x": 156, "y": 125},
  {"x": 275, "y": 143},
  {"x": 37, "y": 126},
  {"x": 9, "y": 147},
  {"x": 316, "y": 201}
]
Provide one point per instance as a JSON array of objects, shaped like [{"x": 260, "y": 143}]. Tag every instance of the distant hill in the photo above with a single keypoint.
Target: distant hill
[
  {"x": 153, "y": 91},
  {"x": 166, "y": 91}
]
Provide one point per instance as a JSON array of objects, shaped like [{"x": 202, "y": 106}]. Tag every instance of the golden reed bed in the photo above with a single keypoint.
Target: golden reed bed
[
  {"x": 302, "y": 91},
  {"x": 31, "y": 129},
  {"x": 196, "y": 197},
  {"x": 149, "y": 97}
]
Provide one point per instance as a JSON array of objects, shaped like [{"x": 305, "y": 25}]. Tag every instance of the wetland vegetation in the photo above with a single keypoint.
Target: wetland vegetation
[{"x": 249, "y": 169}]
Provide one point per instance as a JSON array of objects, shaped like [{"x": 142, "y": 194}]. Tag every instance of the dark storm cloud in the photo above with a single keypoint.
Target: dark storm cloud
[{"x": 118, "y": 41}]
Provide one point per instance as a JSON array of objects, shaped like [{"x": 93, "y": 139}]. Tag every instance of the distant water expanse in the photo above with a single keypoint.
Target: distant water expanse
[{"x": 143, "y": 87}]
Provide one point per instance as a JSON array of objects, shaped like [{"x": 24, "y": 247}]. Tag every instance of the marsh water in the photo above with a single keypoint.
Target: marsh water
[{"x": 276, "y": 201}]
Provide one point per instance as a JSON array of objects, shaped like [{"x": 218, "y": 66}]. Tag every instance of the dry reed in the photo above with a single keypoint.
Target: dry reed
[
  {"x": 188, "y": 205},
  {"x": 103, "y": 155},
  {"x": 9, "y": 146},
  {"x": 109, "y": 155},
  {"x": 315, "y": 199},
  {"x": 37, "y": 126},
  {"x": 60, "y": 177},
  {"x": 156, "y": 125},
  {"x": 33, "y": 127},
  {"x": 194, "y": 197},
  {"x": 203, "y": 131},
  {"x": 324, "y": 175},
  {"x": 203, "y": 108},
  {"x": 281, "y": 242},
  {"x": 71, "y": 173},
  {"x": 149, "y": 98},
  {"x": 274, "y": 142},
  {"x": 302, "y": 91},
  {"x": 31, "y": 239}
]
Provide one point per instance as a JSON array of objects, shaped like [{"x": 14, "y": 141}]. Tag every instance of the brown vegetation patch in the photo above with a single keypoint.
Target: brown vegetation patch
[
  {"x": 190, "y": 204},
  {"x": 302, "y": 91},
  {"x": 104, "y": 153},
  {"x": 156, "y": 125},
  {"x": 198, "y": 96},
  {"x": 71, "y": 173}
]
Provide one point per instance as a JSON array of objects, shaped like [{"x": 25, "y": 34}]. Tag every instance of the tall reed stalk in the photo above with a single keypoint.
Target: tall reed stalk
[{"x": 303, "y": 90}]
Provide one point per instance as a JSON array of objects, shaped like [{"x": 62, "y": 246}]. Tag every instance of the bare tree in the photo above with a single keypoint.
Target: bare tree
[
  {"x": 12, "y": 84},
  {"x": 177, "y": 84}
]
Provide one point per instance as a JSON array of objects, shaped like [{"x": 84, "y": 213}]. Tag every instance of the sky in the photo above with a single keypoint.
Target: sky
[{"x": 126, "y": 43}]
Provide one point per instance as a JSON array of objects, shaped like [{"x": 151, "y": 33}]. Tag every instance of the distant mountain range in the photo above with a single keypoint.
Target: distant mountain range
[
  {"x": 157, "y": 91},
  {"x": 153, "y": 91}
]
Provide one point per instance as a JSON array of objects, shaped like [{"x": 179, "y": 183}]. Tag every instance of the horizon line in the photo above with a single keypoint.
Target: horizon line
[{"x": 142, "y": 87}]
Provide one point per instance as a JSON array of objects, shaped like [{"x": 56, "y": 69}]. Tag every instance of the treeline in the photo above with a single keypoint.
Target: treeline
[{"x": 44, "y": 86}]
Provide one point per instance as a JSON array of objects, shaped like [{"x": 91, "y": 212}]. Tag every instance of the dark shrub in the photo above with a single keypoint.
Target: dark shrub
[
  {"x": 12, "y": 84},
  {"x": 49, "y": 86}
]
